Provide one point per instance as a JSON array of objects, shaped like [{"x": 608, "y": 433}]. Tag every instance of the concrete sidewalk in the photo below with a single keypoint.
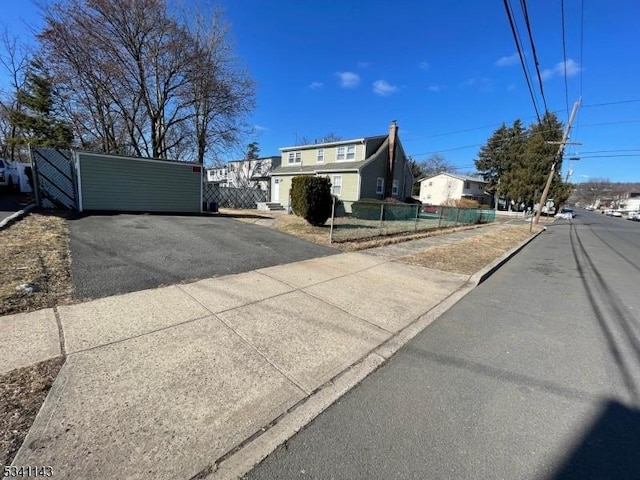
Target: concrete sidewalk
[{"x": 162, "y": 383}]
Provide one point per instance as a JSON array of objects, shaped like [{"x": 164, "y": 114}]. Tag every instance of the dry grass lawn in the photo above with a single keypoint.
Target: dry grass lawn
[
  {"x": 22, "y": 393},
  {"x": 470, "y": 255},
  {"x": 34, "y": 250},
  {"x": 296, "y": 226}
]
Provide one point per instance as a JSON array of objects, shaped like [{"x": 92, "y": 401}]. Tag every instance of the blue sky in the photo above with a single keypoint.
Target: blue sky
[{"x": 447, "y": 71}]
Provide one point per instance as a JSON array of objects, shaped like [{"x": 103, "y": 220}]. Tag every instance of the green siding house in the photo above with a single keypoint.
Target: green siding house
[{"x": 369, "y": 167}]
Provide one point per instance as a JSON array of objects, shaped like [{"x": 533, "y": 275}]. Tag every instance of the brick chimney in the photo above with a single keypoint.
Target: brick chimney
[{"x": 393, "y": 135}]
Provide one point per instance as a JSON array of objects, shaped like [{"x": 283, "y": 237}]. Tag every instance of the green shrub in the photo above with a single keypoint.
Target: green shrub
[{"x": 311, "y": 198}]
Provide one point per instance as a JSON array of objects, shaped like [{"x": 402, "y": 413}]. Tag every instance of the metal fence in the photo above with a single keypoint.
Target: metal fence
[
  {"x": 55, "y": 178},
  {"x": 373, "y": 219},
  {"x": 232, "y": 197}
]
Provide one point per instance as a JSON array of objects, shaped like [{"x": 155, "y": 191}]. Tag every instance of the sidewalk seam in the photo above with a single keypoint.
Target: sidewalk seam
[
  {"x": 61, "y": 338},
  {"x": 254, "y": 348}
]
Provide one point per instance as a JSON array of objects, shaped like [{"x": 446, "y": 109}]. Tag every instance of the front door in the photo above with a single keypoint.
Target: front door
[{"x": 275, "y": 194}]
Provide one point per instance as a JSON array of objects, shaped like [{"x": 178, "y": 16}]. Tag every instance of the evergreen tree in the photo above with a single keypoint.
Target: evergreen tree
[
  {"x": 516, "y": 162},
  {"x": 38, "y": 120}
]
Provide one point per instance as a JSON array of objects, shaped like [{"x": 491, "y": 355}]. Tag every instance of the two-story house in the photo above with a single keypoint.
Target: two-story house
[
  {"x": 254, "y": 173},
  {"x": 369, "y": 167},
  {"x": 445, "y": 188}
]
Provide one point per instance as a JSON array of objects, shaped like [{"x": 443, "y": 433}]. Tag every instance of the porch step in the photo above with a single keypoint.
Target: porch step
[{"x": 271, "y": 206}]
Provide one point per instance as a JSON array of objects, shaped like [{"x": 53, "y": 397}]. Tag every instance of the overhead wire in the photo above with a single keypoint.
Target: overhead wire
[
  {"x": 527, "y": 23},
  {"x": 564, "y": 58},
  {"x": 508, "y": 9}
]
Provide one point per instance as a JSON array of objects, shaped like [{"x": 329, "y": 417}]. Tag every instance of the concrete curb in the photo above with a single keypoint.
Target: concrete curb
[
  {"x": 241, "y": 460},
  {"x": 16, "y": 216}
]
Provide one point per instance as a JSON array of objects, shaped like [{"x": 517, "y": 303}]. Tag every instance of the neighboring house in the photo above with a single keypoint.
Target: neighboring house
[
  {"x": 369, "y": 167},
  {"x": 632, "y": 202},
  {"x": 445, "y": 188},
  {"x": 245, "y": 173}
]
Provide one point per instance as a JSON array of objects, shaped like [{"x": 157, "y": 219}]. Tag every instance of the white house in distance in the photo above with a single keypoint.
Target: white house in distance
[
  {"x": 445, "y": 188},
  {"x": 245, "y": 173}
]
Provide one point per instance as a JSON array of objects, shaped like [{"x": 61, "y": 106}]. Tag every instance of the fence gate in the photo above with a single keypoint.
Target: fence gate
[
  {"x": 55, "y": 178},
  {"x": 232, "y": 197}
]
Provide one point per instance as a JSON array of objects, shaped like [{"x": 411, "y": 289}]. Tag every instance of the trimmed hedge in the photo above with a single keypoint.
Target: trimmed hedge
[{"x": 311, "y": 198}]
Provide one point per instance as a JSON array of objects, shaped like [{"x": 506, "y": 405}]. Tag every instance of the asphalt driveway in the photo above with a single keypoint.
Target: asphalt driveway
[
  {"x": 9, "y": 203},
  {"x": 113, "y": 254}
]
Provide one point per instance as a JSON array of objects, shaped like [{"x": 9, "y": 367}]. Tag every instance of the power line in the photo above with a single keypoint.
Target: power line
[
  {"x": 620, "y": 102},
  {"x": 525, "y": 11},
  {"x": 507, "y": 7},
  {"x": 581, "y": 42},
  {"x": 564, "y": 56}
]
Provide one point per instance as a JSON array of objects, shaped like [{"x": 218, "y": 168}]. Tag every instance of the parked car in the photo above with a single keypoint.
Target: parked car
[
  {"x": 9, "y": 175},
  {"x": 615, "y": 213},
  {"x": 635, "y": 216}
]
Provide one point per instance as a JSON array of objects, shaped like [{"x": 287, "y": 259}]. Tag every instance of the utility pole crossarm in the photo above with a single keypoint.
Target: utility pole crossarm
[{"x": 565, "y": 137}]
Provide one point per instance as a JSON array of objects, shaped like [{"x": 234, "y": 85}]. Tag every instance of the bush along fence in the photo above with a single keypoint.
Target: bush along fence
[
  {"x": 374, "y": 219},
  {"x": 214, "y": 196}
]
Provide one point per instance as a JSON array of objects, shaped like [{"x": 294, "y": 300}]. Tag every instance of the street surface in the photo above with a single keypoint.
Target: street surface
[{"x": 533, "y": 375}]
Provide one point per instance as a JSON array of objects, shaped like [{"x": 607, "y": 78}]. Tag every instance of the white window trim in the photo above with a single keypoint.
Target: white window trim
[
  {"x": 394, "y": 187},
  {"x": 346, "y": 153},
  {"x": 296, "y": 156},
  {"x": 379, "y": 186},
  {"x": 333, "y": 185},
  {"x": 320, "y": 155}
]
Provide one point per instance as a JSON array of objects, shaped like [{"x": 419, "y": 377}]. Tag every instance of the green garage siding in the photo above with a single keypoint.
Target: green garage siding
[{"x": 139, "y": 185}]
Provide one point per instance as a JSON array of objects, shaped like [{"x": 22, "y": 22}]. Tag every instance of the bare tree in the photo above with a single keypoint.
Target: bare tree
[
  {"x": 435, "y": 164},
  {"x": 145, "y": 82},
  {"x": 14, "y": 59}
]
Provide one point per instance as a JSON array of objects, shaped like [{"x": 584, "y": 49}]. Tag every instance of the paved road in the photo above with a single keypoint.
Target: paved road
[
  {"x": 534, "y": 375},
  {"x": 114, "y": 254}
]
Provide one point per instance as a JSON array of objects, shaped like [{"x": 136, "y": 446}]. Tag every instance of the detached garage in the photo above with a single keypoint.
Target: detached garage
[{"x": 110, "y": 182}]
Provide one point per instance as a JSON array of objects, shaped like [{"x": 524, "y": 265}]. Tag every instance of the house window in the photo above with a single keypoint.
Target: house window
[
  {"x": 467, "y": 185},
  {"x": 431, "y": 184},
  {"x": 336, "y": 185},
  {"x": 320, "y": 157},
  {"x": 394, "y": 187},
  {"x": 346, "y": 153},
  {"x": 295, "y": 157},
  {"x": 380, "y": 185}
]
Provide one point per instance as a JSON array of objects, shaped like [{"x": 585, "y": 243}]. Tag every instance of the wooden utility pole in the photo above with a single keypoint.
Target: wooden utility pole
[{"x": 565, "y": 137}]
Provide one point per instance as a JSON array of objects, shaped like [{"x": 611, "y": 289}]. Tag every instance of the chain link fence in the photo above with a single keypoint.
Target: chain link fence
[
  {"x": 231, "y": 197},
  {"x": 373, "y": 219}
]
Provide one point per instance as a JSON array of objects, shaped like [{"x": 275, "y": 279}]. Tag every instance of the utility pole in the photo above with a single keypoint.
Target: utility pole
[{"x": 565, "y": 137}]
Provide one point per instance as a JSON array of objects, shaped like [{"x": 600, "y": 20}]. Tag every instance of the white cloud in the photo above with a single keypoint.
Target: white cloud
[
  {"x": 571, "y": 68},
  {"x": 424, "y": 65},
  {"x": 348, "y": 79},
  {"x": 316, "y": 85},
  {"x": 436, "y": 88},
  {"x": 381, "y": 87},
  {"x": 468, "y": 83},
  {"x": 508, "y": 61},
  {"x": 258, "y": 129},
  {"x": 363, "y": 64}
]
